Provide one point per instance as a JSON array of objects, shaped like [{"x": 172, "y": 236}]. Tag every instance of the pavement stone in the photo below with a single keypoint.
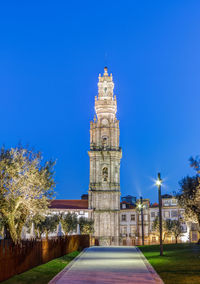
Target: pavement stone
[{"x": 106, "y": 265}]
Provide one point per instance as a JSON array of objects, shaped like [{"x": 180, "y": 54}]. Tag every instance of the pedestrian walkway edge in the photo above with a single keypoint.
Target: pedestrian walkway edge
[
  {"x": 67, "y": 267},
  {"x": 154, "y": 274}
]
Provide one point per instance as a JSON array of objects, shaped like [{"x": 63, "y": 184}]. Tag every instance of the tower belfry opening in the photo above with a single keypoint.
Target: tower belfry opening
[{"x": 105, "y": 155}]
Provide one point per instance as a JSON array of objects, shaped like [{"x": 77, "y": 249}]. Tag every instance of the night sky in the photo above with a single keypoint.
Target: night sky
[{"x": 51, "y": 53}]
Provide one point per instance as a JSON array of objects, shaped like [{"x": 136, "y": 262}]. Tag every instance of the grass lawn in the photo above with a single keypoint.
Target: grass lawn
[
  {"x": 180, "y": 263},
  {"x": 42, "y": 274}
]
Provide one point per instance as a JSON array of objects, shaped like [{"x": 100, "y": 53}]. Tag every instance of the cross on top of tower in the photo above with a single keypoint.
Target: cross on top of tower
[
  {"x": 105, "y": 71},
  {"x": 105, "y": 76}
]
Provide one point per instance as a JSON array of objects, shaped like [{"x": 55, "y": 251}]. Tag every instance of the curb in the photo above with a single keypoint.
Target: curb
[
  {"x": 150, "y": 268},
  {"x": 67, "y": 268}
]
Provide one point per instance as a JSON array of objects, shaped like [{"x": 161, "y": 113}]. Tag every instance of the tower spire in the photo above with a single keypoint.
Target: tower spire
[{"x": 105, "y": 104}]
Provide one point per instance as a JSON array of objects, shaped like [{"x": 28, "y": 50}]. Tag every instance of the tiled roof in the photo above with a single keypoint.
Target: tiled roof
[
  {"x": 155, "y": 205},
  {"x": 69, "y": 204}
]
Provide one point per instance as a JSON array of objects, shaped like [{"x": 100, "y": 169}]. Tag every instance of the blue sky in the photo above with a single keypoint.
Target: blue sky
[{"x": 51, "y": 53}]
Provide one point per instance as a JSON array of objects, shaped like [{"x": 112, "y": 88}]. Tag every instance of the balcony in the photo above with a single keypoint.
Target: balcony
[{"x": 105, "y": 148}]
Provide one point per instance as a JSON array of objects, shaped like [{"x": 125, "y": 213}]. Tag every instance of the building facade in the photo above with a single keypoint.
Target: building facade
[
  {"x": 105, "y": 155},
  {"x": 131, "y": 223}
]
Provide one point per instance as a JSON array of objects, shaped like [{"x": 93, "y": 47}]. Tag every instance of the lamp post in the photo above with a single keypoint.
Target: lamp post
[
  {"x": 142, "y": 218},
  {"x": 158, "y": 184},
  {"x": 140, "y": 206}
]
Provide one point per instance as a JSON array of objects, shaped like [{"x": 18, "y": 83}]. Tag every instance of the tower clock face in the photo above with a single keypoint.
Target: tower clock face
[{"x": 104, "y": 121}]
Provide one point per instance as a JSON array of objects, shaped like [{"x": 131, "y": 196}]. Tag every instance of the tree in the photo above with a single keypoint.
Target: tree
[
  {"x": 35, "y": 221},
  {"x": 189, "y": 194},
  {"x": 170, "y": 227},
  {"x": 156, "y": 227},
  {"x": 69, "y": 222},
  {"x": 45, "y": 224},
  {"x": 173, "y": 227},
  {"x": 2, "y": 226},
  {"x": 188, "y": 198},
  {"x": 86, "y": 226},
  {"x": 26, "y": 187}
]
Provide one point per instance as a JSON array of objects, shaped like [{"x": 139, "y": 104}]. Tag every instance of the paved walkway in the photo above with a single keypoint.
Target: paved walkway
[{"x": 106, "y": 265}]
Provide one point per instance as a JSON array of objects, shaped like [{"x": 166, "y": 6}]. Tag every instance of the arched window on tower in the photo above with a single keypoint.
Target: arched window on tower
[{"x": 105, "y": 174}]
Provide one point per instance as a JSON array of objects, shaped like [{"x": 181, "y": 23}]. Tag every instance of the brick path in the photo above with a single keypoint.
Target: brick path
[{"x": 106, "y": 265}]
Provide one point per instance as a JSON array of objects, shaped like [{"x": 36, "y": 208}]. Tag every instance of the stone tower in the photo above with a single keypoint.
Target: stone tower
[{"x": 105, "y": 155}]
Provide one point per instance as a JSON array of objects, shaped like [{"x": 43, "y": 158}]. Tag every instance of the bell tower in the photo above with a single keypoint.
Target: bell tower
[{"x": 105, "y": 155}]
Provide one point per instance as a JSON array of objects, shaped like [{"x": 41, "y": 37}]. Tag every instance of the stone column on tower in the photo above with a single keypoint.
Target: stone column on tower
[{"x": 105, "y": 155}]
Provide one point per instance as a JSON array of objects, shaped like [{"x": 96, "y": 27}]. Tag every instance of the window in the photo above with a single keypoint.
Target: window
[
  {"x": 194, "y": 227},
  {"x": 104, "y": 139},
  {"x": 174, "y": 213},
  {"x": 153, "y": 214},
  {"x": 81, "y": 213},
  {"x": 124, "y": 230},
  {"x": 133, "y": 230},
  {"x": 194, "y": 236},
  {"x": 166, "y": 203},
  {"x": 174, "y": 201},
  {"x": 146, "y": 230},
  {"x": 123, "y": 206},
  {"x": 105, "y": 174},
  {"x": 166, "y": 214},
  {"x": 123, "y": 217},
  {"x": 145, "y": 206},
  {"x": 183, "y": 228},
  {"x": 153, "y": 239},
  {"x": 132, "y": 217}
]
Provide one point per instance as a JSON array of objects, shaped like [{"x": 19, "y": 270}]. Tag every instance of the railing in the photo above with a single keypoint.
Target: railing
[
  {"x": 104, "y": 148},
  {"x": 100, "y": 183}
]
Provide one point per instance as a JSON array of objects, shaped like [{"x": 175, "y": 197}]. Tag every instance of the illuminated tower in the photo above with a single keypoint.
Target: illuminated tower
[{"x": 105, "y": 155}]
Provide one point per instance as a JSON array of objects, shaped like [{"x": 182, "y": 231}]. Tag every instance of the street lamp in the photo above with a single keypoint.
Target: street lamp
[
  {"x": 158, "y": 184},
  {"x": 140, "y": 207}
]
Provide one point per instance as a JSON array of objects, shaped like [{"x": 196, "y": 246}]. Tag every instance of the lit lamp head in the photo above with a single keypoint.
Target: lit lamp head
[
  {"x": 140, "y": 206},
  {"x": 158, "y": 181}
]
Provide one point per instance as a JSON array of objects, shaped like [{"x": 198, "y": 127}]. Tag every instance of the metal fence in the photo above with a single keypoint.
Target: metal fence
[{"x": 15, "y": 259}]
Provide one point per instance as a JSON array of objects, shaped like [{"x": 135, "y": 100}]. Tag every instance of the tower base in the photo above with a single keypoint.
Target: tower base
[{"x": 107, "y": 241}]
